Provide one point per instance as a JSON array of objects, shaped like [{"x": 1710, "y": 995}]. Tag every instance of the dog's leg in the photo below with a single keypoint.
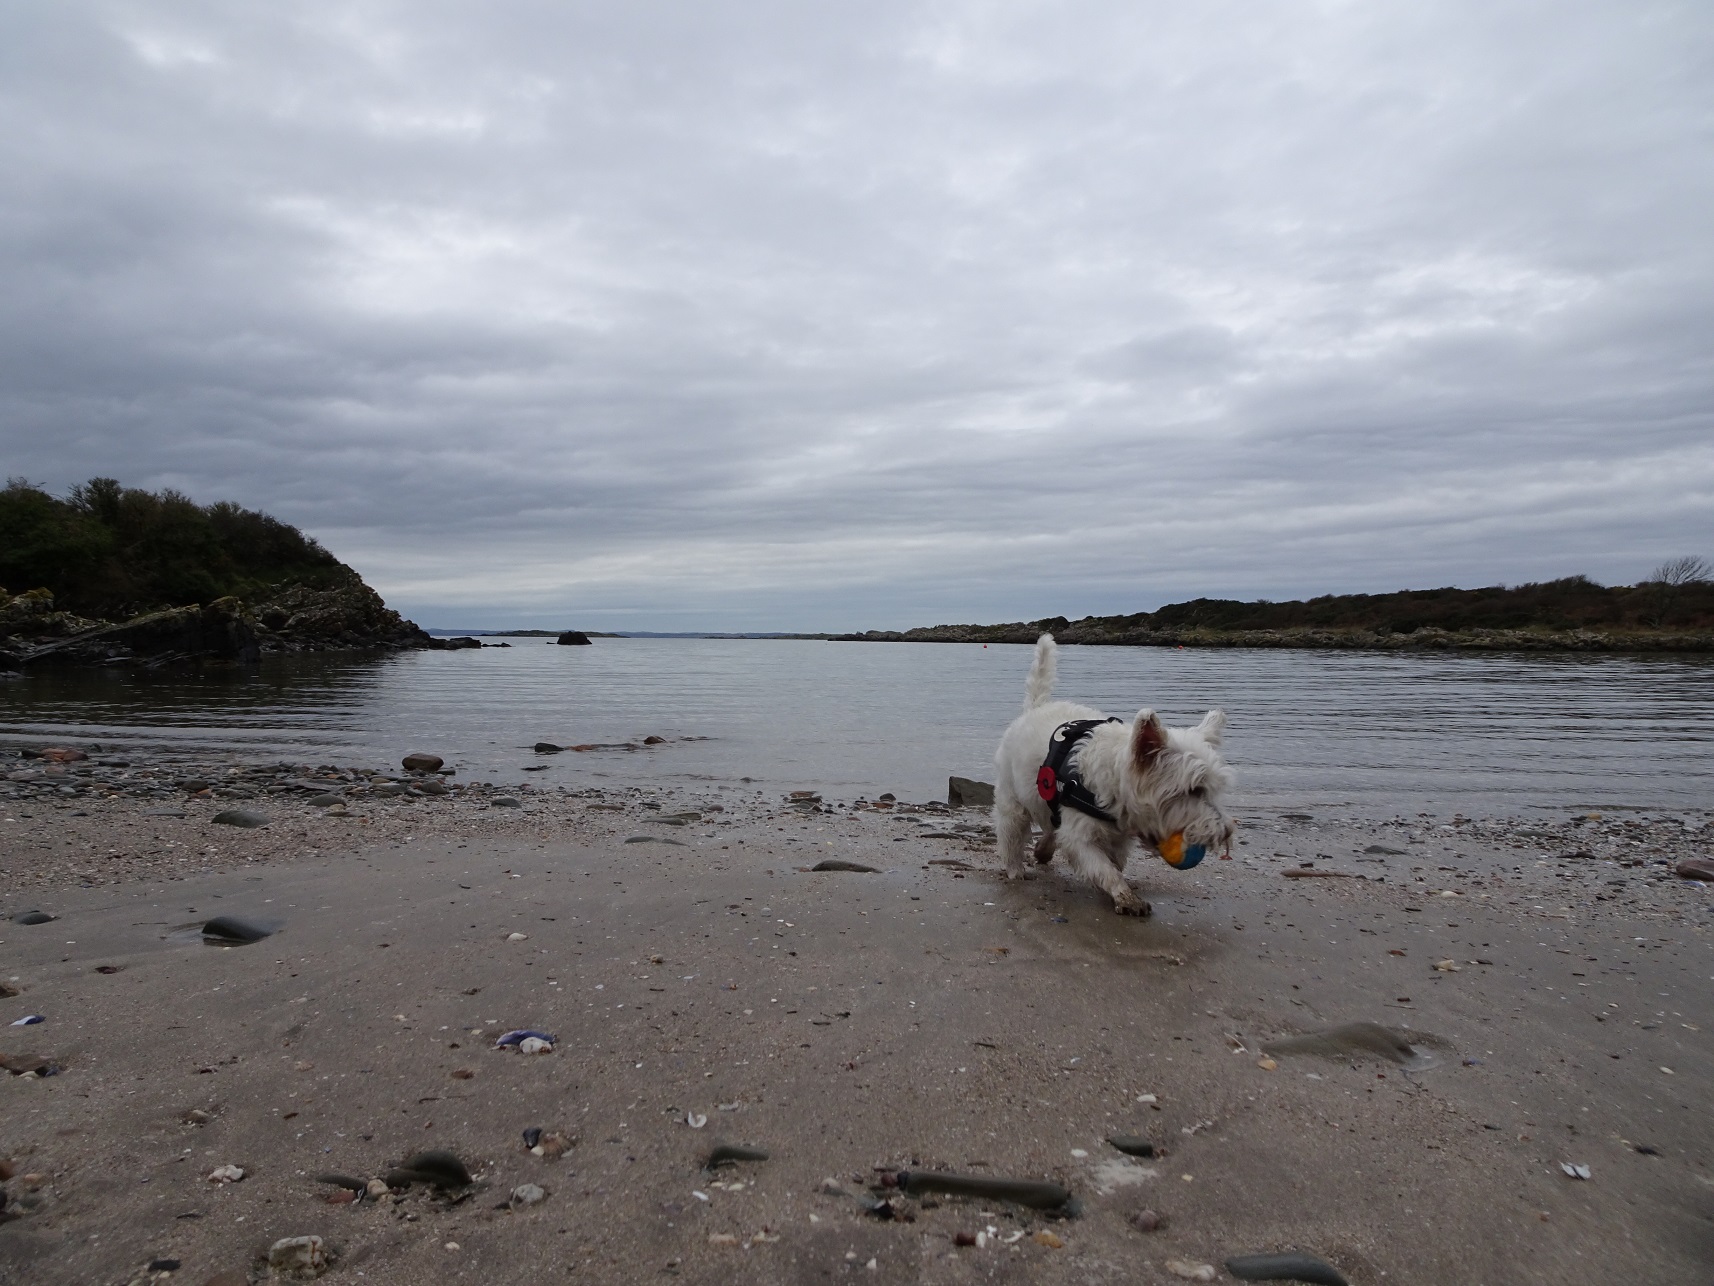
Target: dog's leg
[
  {"x": 1098, "y": 868},
  {"x": 1045, "y": 846},
  {"x": 1012, "y": 831}
]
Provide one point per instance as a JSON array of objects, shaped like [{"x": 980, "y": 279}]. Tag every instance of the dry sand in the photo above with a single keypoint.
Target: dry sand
[{"x": 924, "y": 1016}]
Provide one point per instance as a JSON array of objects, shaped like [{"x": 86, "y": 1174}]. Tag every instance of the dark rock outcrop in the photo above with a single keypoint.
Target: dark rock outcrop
[
  {"x": 221, "y": 630},
  {"x": 346, "y": 615},
  {"x": 574, "y": 638}
]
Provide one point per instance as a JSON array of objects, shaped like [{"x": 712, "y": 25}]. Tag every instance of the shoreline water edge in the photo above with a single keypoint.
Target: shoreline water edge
[{"x": 1419, "y": 1048}]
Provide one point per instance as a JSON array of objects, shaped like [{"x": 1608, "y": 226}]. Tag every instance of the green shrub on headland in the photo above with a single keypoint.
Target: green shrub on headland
[{"x": 110, "y": 551}]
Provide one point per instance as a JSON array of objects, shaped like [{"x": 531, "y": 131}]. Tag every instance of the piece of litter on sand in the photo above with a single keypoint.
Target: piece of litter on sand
[
  {"x": 1291, "y": 1267},
  {"x": 696, "y": 1120},
  {"x": 29, "y": 1020},
  {"x": 521, "y": 1034},
  {"x": 1573, "y": 1171}
]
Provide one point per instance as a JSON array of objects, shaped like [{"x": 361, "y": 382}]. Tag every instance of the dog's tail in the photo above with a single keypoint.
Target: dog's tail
[{"x": 1040, "y": 682}]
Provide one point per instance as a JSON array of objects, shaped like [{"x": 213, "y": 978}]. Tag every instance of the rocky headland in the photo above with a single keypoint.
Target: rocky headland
[{"x": 119, "y": 576}]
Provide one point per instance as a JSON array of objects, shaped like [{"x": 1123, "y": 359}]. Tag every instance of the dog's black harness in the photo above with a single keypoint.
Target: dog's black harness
[{"x": 1060, "y": 783}]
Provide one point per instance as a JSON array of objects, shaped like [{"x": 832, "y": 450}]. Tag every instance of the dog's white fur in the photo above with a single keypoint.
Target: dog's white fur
[{"x": 1155, "y": 780}]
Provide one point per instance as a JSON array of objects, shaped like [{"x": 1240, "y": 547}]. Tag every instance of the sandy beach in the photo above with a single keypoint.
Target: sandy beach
[{"x": 1551, "y": 976}]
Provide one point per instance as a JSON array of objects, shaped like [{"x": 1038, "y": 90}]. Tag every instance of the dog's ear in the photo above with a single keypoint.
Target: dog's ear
[
  {"x": 1148, "y": 739},
  {"x": 1212, "y": 726}
]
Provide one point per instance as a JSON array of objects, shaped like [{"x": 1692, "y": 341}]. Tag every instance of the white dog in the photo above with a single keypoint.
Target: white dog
[{"x": 1094, "y": 783}]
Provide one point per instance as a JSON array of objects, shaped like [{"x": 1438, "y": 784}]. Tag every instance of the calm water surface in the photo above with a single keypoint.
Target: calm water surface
[{"x": 1480, "y": 734}]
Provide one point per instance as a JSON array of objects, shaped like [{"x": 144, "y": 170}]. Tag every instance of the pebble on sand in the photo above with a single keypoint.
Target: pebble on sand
[
  {"x": 240, "y": 817},
  {"x": 298, "y": 1258}
]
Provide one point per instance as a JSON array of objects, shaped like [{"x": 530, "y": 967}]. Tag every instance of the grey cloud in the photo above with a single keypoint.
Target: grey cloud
[{"x": 771, "y": 315}]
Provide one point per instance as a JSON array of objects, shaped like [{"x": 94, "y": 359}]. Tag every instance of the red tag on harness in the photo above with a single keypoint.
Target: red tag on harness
[{"x": 1047, "y": 784}]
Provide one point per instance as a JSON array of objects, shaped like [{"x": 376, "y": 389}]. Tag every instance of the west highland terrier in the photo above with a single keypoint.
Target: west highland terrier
[{"x": 1092, "y": 784}]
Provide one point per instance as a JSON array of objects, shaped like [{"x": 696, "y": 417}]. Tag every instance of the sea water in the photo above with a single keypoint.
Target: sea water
[{"x": 1480, "y": 734}]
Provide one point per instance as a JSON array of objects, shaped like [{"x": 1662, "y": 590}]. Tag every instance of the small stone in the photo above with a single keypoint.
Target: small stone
[
  {"x": 526, "y": 1194},
  {"x": 377, "y": 1188},
  {"x": 652, "y": 740},
  {"x": 1268, "y": 1065},
  {"x": 225, "y": 1174},
  {"x": 453, "y": 1245},
  {"x": 722, "y": 1239},
  {"x": 517, "y": 937},
  {"x": 1048, "y": 1239},
  {"x": 299, "y": 1258},
  {"x": 505, "y": 801},
  {"x": 34, "y": 917},
  {"x": 1446, "y": 966},
  {"x": 196, "y": 1116},
  {"x": 555, "y": 1144},
  {"x": 963, "y": 1239},
  {"x": 242, "y": 818},
  {"x": 535, "y": 1045},
  {"x": 418, "y": 762},
  {"x": 1148, "y": 1221},
  {"x": 1695, "y": 868},
  {"x": 1189, "y": 1271}
]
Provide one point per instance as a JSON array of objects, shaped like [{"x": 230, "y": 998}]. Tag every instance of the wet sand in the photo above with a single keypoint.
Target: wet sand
[{"x": 923, "y": 1017}]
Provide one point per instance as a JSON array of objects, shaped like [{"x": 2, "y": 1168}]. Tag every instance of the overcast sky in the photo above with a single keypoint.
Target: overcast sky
[{"x": 783, "y": 315}]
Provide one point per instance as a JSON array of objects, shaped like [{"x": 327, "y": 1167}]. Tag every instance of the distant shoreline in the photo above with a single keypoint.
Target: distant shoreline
[{"x": 1424, "y": 640}]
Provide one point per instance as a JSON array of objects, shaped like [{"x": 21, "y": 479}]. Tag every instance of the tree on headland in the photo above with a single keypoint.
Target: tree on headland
[
  {"x": 1688, "y": 570},
  {"x": 1667, "y": 583},
  {"x": 108, "y": 550}
]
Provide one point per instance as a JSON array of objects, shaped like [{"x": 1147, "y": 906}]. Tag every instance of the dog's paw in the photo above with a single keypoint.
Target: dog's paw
[
  {"x": 1019, "y": 873},
  {"x": 1129, "y": 903}
]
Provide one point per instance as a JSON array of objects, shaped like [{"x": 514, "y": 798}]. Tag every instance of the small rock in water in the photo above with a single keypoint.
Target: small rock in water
[
  {"x": 526, "y": 1194},
  {"x": 298, "y": 1258},
  {"x": 418, "y": 762},
  {"x": 34, "y": 917},
  {"x": 573, "y": 638},
  {"x": 240, "y": 817},
  {"x": 548, "y": 748},
  {"x": 652, "y": 740}
]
